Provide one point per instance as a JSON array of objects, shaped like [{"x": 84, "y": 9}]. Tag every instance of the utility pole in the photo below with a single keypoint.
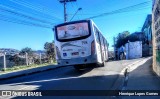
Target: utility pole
[
  {"x": 26, "y": 58},
  {"x": 4, "y": 58},
  {"x": 40, "y": 58},
  {"x": 65, "y": 12},
  {"x": 128, "y": 50},
  {"x": 114, "y": 40}
]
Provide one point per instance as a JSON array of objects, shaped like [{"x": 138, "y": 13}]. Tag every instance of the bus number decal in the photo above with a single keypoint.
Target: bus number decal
[{"x": 68, "y": 50}]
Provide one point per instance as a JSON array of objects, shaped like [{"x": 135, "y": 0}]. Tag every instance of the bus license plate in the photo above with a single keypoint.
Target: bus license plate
[{"x": 75, "y": 53}]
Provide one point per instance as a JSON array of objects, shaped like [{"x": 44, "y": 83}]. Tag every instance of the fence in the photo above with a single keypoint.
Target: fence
[{"x": 16, "y": 61}]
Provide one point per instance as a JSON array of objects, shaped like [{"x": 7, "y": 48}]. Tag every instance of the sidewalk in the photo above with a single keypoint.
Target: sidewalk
[
  {"x": 27, "y": 71},
  {"x": 142, "y": 77}
]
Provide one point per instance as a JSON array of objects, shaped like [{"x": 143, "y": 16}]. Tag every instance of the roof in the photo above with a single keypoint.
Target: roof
[{"x": 147, "y": 21}]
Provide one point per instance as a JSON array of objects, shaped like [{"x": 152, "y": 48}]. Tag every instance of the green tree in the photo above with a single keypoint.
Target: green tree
[
  {"x": 134, "y": 37},
  {"x": 15, "y": 59},
  {"x": 29, "y": 52},
  {"x": 122, "y": 38},
  {"x": 49, "y": 48},
  {"x": 36, "y": 61}
]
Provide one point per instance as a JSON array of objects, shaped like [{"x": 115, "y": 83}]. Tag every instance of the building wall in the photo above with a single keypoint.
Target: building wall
[
  {"x": 150, "y": 41},
  {"x": 133, "y": 50},
  {"x": 156, "y": 36},
  {"x": 147, "y": 32}
]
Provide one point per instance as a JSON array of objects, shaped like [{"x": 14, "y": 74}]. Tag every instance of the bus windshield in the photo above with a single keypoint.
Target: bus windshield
[{"x": 72, "y": 31}]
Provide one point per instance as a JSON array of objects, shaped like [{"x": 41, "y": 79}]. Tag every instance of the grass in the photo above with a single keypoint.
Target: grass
[{"x": 24, "y": 67}]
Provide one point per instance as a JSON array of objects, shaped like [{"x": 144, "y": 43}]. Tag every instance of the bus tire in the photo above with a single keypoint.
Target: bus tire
[
  {"x": 103, "y": 64},
  {"x": 79, "y": 67},
  {"x": 100, "y": 64}
]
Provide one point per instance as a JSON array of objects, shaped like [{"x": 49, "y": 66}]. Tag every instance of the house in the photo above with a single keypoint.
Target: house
[
  {"x": 147, "y": 32},
  {"x": 136, "y": 36}
]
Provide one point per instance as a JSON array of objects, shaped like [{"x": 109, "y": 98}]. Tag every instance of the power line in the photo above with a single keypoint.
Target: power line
[
  {"x": 14, "y": 20},
  {"x": 112, "y": 13},
  {"x": 129, "y": 10},
  {"x": 36, "y": 7},
  {"x": 22, "y": 23},
  {"x": 35, "y": 13},
  {"x": 22, "y": 15},
  {"x": 126, "y": 9}
]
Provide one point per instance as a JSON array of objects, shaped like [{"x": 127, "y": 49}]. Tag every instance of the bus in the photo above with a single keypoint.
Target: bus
[{"x": 80, "y": 43}]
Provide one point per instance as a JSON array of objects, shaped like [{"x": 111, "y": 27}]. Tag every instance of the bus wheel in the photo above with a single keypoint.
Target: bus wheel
[
  {"x": 79, "y": 67},
  {"x": 103, "y": 64},
  {"x": 100, "y": 64}
]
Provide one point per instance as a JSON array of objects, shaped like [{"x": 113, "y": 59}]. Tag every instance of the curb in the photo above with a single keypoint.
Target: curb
[
  {"x": 129, "y": 66},
  {"x": 121, "y": 77},
  {"x": 29, "y": 72},
  {"x": 128, "y": 71}
]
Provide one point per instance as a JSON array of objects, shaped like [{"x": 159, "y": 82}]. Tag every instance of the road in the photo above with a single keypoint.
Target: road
[{"x": 67, "y": 78}]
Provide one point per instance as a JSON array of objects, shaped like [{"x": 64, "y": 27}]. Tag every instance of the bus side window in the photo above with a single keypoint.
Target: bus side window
[
  {"x": 104, "y": 44},
  {"x": 101, "y": 39},
  {"x": 107, "y": 45},
  {"x": 97, "y": 36}
]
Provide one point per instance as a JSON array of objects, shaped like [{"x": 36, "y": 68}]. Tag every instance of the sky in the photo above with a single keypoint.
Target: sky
[{"x": 50, "y": 12}]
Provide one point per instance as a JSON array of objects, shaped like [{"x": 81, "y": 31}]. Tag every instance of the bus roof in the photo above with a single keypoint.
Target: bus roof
[{"x": 73, "y": 22}]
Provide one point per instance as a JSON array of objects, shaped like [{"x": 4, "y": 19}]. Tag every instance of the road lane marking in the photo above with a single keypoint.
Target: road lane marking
[{"x": 43, "y": 81}]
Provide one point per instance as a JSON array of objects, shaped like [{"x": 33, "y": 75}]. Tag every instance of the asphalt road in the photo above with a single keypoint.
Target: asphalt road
[{"x": 67, "y": 78}]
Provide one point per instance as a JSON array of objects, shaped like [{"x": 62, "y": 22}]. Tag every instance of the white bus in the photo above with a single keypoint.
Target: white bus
[{"x": 79, "y": 43}]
